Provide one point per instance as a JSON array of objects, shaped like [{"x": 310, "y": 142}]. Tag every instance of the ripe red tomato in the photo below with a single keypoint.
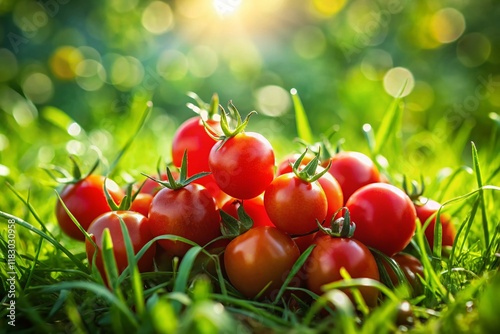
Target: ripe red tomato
[
  {"x": 86, "y": 200},
  {"x": 294, "y": 204},
  {"x": 333, "y": 193},
  {"x": 192, "y": 136},
  {"x": 331, "y": 254},
  {"x": 353, "y": 170},
  {"x": 189, "y": 212},
  {"x": 254, "y": 207},
  {"x": 384, "y": 215},
  {"x": 260, "y": 256},
  {"x": 208, "y": 182},
  {"x": 141, "y": 203},
  {"x": 430, "y": 208},
  {"x": 411, "y": 267},
  {"x": 243, "y": 166},
  {"x": 137, "y": 227}
]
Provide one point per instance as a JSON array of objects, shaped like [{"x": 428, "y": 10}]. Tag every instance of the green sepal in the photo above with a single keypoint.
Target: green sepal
[
  {"x": 232, "y": 227},
  {"x": 183, "y": 180}
]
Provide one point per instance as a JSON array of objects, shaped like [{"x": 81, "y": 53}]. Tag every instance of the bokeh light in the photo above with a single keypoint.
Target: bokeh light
[
  {"x": 272, "y": 100},
  {"x": 473, "y": 49},
  {"x": 158, "y": 17},
  {"x": 309, "y": 42},
  {"x": 328, "y": 7},
  {"x": 8, "y": 65},
  {"x": 38, "y": 87},
  {"x": 447, "y": 25},
  {"x": 64, "y": 61},
  {"x": 397, "y": 78}
]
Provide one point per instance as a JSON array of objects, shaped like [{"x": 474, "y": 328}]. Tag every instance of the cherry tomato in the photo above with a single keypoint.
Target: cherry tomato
[
  {"x": 260, "y": 256},
  {"x": 189, "y": 212},
  {"x": 141, "y": 203},
  {"x": 430, "y": 208},
  {"x": 294, "y": 205},
  {"x": 209, "y": 183},
  {"x": 411, "y": 267},
  {"x": 254, "y": 207},
  {"x": 384, "y": 215},
  {"x": 192, "y": 136},
  {"x": 333, "y": 193},
  {"x": 331, "y": 254},
  {"x": 86, "y": 200},
  {"x": 139, "y": 235},
  {"x": 243, "y": 166},
  {"x": 353, "y": 170}
]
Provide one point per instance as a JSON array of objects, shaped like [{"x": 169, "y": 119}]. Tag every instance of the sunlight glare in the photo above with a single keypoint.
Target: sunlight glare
[{"x": 227, "y": 7}]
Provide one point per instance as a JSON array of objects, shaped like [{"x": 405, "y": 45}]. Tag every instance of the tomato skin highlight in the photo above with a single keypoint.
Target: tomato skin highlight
[
  {"x": 353, "y": 170},
  {"x": 428, "y": 209},
  {"x": 293, "y": 205},
  {"x": 254, "y": 207},
  {"x": 86, "y": 201},
  {"x": 137, "y": 227},
  {"x": 331, "y": 254},
  {"x": 334, "y": 195},
  {"x": 243, "y": 166},
  {"x": 261, "y": 255},
  {"x": 384, "y": 215},
  {"x": 189, "y": 212}
]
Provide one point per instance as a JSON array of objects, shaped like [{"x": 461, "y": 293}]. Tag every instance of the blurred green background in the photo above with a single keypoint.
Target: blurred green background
[{"x": 76, "y": 74}]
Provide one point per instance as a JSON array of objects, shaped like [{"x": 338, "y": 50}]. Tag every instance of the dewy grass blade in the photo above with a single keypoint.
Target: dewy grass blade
[
  {"x": 47, "y": 237},
  {"x": 303, "y": 128},
  {"x": 479, "y": 178}
]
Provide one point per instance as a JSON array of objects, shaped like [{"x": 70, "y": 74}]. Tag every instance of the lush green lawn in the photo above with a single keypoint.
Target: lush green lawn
[{"x": 78, "y": 85}]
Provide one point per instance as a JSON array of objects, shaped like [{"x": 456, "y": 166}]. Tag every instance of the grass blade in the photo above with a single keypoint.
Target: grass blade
[
  {"x": 303, "y": 128},
  {"x": 479, "y": 178}
]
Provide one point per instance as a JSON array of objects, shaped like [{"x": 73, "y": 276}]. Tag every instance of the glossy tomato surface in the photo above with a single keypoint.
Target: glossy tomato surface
[
  {"x": 188, "y": 212},
  {"x": 333, "y": 193},
  {"x": 260, "y": 256},
  {"x": 139, "y": 236},
  {"x": 353, "y": 170},
  {"x": 332, "y": 254},
  {"x": 243, "y": 166},
  {"x": 384, "y": 215},
  {"x": 428, "y": 210},
  {"x": 86, "y": 201},
  {"x": 294, "y": 205},
  {"x": 141, "y": 203}
]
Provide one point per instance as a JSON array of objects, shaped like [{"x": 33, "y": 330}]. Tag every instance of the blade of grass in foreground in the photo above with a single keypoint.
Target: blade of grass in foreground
[
  {"x": 303, "y": 128},
  {"x": 44, "y": 235},
  {"x": 98, "y": 290},
  {"x": 479, "y": 178},
  {"x": 181, "y": 281}
]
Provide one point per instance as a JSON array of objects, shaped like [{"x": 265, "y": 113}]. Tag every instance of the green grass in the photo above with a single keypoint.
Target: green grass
[{"x": 56, "y": 290}]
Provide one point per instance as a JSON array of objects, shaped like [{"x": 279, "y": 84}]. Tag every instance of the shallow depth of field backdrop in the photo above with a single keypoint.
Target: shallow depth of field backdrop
[{"x": 77, "y": 74}]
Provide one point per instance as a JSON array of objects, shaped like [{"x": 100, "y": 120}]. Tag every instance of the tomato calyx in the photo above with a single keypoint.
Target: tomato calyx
[
  {"x": 342, "y": 227},
  {"x": 308, "y": 172},
  {"x": 416, "y": 191},
  {"x": 227, "y": 131},
  {"x": 67, "y": 177},
  {"x": 205, "y": 110},
  {"x": 232, "y": 227},
  {"x": 182, "y": 181},
  {"x": 126, "y": 201}
]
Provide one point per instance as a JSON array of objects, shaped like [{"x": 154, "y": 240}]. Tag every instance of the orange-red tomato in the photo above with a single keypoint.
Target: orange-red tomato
[{"x": 260, "y": 257}]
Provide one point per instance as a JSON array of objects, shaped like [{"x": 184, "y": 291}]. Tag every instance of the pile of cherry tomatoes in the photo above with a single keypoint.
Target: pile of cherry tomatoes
[{"x": 226, "y": 191}]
